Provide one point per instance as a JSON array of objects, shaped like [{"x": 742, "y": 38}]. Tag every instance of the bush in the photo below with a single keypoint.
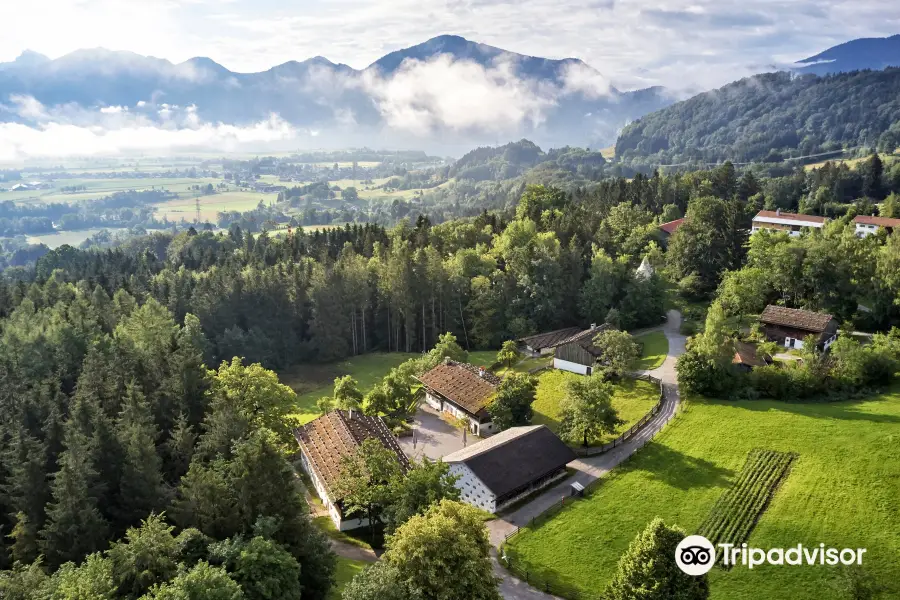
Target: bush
[
  {"x": 701, "y": 374},
  {"x": 688, "y": 328}
]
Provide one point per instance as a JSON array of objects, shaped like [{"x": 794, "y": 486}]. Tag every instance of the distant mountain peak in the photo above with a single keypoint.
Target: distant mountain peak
[
  {"x": 855, "y": 55},
  {"x": 461, "y": 48},
  {"x": 30, "y": 57}
]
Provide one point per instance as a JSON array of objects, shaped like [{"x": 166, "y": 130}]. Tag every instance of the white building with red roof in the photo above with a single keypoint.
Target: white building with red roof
[
  {"x": 866, "y": 225},
  {"x": 790, "y": 223}
]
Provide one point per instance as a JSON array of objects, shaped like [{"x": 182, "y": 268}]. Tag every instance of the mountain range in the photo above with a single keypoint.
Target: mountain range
[
  {"x": 448, "y": 93},
  {"x": 555, "y": 102}
]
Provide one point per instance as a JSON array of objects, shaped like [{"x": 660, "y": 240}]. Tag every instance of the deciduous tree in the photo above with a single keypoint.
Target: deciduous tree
[
  {"x": 444, "y": 554},
  {"x": 587, "y": 410},
  {"x": 511, "y": 404}
]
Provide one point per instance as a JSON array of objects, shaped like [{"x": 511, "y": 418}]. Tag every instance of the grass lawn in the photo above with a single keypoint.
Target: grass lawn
[
  {"x": 632, "y": 399},
  {"x": 346, "y": 570},
  {"x": 483, "y": 358},
  {"x": 656, "y": 347},
  {"x": 842, "y": 491},
  {"x": 356, "y": 537},
  {"x": 526, "y": 364},
  {"x": 311, "y": 382}
]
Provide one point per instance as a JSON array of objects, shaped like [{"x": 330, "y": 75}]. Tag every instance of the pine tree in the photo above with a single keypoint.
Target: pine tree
[
  {"x": 27, "y": 490},
  {"x": 140, "y": 487},
  {"x": 179, "y": 449},
  {"x": 24, "y": 549},
  {"x": 872, "y": 172},
  {"x": 74, "y": 526}
]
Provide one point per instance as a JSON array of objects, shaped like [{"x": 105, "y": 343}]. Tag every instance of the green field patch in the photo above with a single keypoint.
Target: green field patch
[
  {"x": 842, "y": 491},
  {"x": 738, "y": 509},
  {"x": 631, "y": 398},
  {"x": 483, "y": 358},
  {"x": 346, "y": 569},
  {"x": 655, "y": 348},
  {"x": 312, "y": 382},
  {"x": 211, "y": 205}
]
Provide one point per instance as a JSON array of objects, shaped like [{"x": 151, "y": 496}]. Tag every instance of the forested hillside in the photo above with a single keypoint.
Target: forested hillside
[
  {"x": 770, "y": 117},
  {"x": 123, "y": 398}
]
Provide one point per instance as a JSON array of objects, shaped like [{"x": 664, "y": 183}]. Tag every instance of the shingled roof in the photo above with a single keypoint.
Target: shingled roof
[
  {"x": 550, "y": 339},
  {"x": 467, "y": 386},
  {"x": 585, "y": 338},
  {"x": 793, "y": 317},
  {"x": 746, "y": 354},
  {"x": 328, "y": 439},
  {"x": 514, "y": 458}
]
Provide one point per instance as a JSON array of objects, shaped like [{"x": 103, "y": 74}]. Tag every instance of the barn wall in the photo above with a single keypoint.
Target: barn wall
[
  {"x": 565, "y": 365},
  {"x": 471, "y": 489}
]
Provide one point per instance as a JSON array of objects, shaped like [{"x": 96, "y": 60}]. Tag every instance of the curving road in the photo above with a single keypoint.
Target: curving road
[{"x": 590, "y": 468}]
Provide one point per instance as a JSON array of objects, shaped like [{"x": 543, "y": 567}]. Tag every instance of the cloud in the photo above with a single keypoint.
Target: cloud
[
  {"x": 421, "y": 97},
  {"x": 63, "y": 132},
  {"x": 580, "y": 78}
]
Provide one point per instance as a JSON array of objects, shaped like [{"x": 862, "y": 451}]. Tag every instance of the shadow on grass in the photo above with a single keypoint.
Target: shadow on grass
[
  {"x": 681, "y": 471},
  {"x": 844, "y": 410}
]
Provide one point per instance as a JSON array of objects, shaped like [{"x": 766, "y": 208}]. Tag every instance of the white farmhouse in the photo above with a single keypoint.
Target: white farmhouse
[
  {"x": 866, "y": 225},
  {"x": 325, "y": 441},
  {"x": 504, "y": 468}
]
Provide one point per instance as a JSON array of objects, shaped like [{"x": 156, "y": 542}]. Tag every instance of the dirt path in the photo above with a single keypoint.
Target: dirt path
[{"x": 590, "y": 468}]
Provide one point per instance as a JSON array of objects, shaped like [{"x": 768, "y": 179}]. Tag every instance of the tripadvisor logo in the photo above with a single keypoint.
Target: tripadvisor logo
[{"x": 696, "y": 555}]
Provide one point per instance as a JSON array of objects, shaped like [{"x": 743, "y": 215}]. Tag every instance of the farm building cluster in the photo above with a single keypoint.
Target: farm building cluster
[{"x": 504, "y": 466}]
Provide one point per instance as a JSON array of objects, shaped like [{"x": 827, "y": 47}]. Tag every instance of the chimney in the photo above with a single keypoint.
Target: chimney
[
  {"x": 481, "y": 372},
  {"x": 777, "y": 212},
  {"x": 351, "y": 414},
  {"x": 593, "y": 326}
]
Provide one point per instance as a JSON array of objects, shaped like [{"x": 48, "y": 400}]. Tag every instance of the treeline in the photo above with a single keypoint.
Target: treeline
[
  {"x": 771, "y": 117},
  {"x": 329, "y": 294},
  {"x": 121, "y": 209}
]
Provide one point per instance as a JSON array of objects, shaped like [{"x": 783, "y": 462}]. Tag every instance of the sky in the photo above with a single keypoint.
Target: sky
[{"x": 683, "y": 44}]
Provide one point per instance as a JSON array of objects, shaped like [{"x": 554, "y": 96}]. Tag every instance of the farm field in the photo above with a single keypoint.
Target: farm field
[
  {"x": 656, "y": 347},
  {"x": 631, "y": 398},
  {"x": 72, "y": 238},
  {"x": 97, "y": 188},
  {"x": 842, "y": 491},
  {"x": 853, "y": 162},
  {"x": 346, "y": 570},
  {"x": 311, "y": 382},
  {"x": 211, "y": 206}
]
